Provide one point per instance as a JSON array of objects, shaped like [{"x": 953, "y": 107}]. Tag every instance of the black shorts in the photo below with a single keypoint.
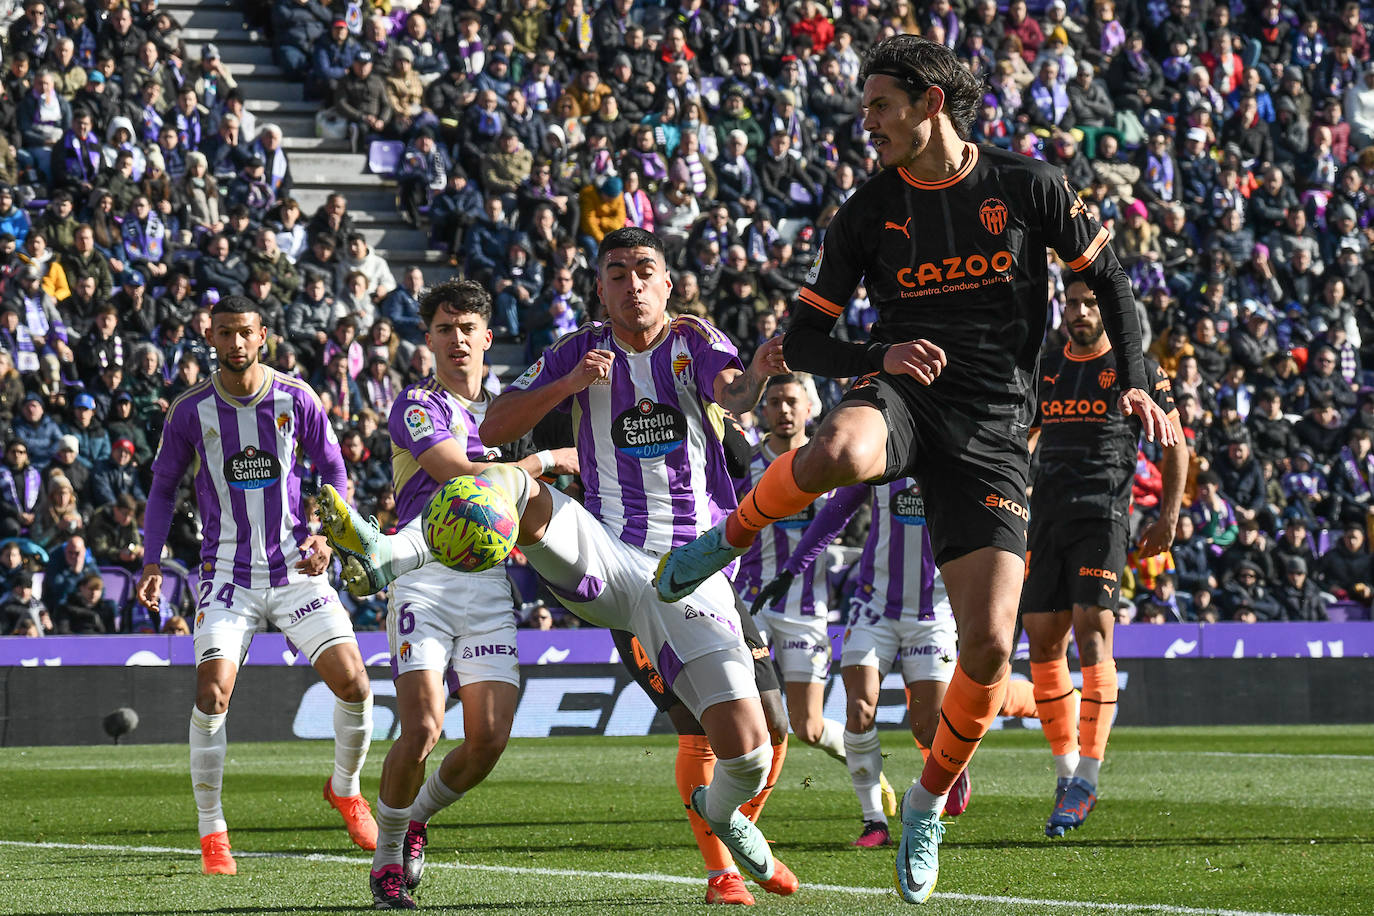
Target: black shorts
[
  {"x": 972, "y": 469},
  {"x": 1074, "y": 561},
  {"x": 642, "y": 670}
]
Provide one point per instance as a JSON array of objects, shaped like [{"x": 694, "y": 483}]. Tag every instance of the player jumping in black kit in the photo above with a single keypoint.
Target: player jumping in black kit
[
  {"x": 1080, "y": 506},
  {"x": 950, "y": 240}
]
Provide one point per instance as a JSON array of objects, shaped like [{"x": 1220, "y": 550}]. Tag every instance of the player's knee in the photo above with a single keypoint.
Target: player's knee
[
  {"x": 212, "y": 698},
  {"x": 835, "y": 458},
  {"x": 983, "y": 654},
  {"x": 417, "y": 739},
  {"x": 355, "y": 689},
  {"x": 487, "y": 744},
  {"x": 860, "y": 714},
  {"x": 807, "y": 731}
]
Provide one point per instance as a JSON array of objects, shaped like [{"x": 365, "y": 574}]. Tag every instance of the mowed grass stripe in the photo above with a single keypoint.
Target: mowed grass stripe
[{"x": 655, "y": 878}]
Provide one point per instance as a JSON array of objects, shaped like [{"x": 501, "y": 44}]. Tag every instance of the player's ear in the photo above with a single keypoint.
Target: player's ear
[{"x": 935, "y": 101}]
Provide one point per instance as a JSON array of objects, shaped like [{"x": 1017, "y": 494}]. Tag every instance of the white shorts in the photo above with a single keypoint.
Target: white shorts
[
  {"x": 308, "y": 612},
  {"x": 459, "y": 623},
  {"x": 801, "y": 646},
  {"x": 608, "y": 583},
  {"x": 927, "y": 648}
]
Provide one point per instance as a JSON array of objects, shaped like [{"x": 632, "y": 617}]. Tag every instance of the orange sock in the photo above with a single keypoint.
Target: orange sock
[
  {"x": 696, "y": 763},
  {"x": 774, "y": 497},
  {"x": 1099, "y": 703},
  {"x": 754, "y": 806},
  {"x": 1020, "y": 699},
  {"x": 1054, "y": 700},
  {"x": 965, "y": 716}
]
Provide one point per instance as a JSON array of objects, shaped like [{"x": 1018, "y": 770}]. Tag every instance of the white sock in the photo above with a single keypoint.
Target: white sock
[
  {"x": 735, "y": 782},
  {"x": 391, "y": 834},
  {"x": 435, "y": 796},
  {"x": 208, "y": 744},
  {"x": 514, "y": 480},
  {"x": 409, "y": 551},
  {"x": 717, "y": 872},
  {"x": 352, "y": 737},
  {"x": 1088, "y": 770},
  {"x": 1065, "y": 764},
  {"x": 864, "y": 757},
  {"x": 923, "y": 800},
  {"x": 832, "y": 739}
]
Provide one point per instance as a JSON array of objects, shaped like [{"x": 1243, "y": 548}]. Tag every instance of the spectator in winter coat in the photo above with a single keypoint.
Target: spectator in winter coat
[
  {"x": 116, "y": 476},
  {"x": 36, "y": 431},
  {"x": 1299, "y": 597},
  {"x": 1246, "y": 600},
  {"x": 1345, "y": 570}
]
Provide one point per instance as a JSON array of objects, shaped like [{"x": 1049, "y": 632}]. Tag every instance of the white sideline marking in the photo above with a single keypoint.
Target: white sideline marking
[
  {"x": 276, "y": 764},
  {"x": 656, "y": 878}
]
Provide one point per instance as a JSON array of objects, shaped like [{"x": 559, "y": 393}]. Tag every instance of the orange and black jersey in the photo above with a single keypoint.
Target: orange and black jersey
[
  {"x": 1087, "y": 448},
  {"x": 962, "y": 263}
]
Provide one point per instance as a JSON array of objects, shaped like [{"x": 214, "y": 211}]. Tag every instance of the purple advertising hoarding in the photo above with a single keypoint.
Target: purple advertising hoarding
[{"x": 590, "y": 646}]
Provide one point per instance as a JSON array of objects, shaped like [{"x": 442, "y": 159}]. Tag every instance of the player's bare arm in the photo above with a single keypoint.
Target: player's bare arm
[
  {"x": 515, "y": 412},
  {"x": 1158, "y": 536},
  {"x": 447, "y": 460},
  {"x": 738, "y": 391}
]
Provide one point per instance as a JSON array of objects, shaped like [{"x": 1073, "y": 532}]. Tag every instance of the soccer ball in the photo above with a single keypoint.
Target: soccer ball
[{"x": 470, "y": 524}]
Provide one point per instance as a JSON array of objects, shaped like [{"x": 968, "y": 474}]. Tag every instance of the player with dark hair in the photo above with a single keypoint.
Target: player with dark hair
[
  {"x": 641, "y": 388},
  {"x": 438, "y": 618},
  {"x": 241, "y": 430},
  {"x": 1080, "y": 507},
  {"x": 950, "y": 240}
]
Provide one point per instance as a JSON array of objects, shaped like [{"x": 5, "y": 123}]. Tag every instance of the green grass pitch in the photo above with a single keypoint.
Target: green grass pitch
[{"x": 1191, "y": 821}]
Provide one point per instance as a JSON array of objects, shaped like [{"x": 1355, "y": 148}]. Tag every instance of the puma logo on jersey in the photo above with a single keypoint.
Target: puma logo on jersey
[{"x": 900, "y": 227}]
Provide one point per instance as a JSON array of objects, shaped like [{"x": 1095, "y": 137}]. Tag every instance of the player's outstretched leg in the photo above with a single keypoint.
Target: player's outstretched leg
[
  {"x": 695, "y": 766},
  {"x": 371, "y": 559},
  {"x": 775, "y": 496}
]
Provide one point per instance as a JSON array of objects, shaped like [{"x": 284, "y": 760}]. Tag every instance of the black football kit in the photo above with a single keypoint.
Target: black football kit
[
  {"x": 962, "y": 263},
  {"x": 1081, "y": 499}
]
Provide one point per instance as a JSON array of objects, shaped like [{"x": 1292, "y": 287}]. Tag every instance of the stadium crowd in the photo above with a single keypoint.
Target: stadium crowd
[{"x": 1230, "y": 147}]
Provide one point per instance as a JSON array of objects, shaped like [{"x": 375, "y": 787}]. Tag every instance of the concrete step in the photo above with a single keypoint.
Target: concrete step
[
  {"x": 293, "y": 142},
  {"x": 252, "y": 74},
  {"x": 297, "y": 127},
  {"x": 403, "y": 256},
  {"x": 392, "y": 237},
  {"x": 260, "y": 106},
  {"x": 311, "y": 197},
  {"x": 237, "y": 54},
  {"x": 198, "y": 4},
  {"x": 219, "y": 19},
  {"x": 258, "y": 89}
]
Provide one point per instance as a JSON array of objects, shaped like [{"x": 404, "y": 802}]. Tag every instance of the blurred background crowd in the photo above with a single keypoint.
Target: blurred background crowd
[{"x": 1229, "y": 146}]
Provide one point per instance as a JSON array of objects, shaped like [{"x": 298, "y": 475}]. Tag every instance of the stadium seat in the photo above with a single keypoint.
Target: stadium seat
[
  {"x": 384, "y": 156},
  {"x": 119, "y": 584}
]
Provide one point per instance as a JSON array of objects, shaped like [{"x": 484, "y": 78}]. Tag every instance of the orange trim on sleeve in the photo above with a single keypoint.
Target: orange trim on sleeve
[
  {"x": 1094, "y": 249},
  {"x": 814, "y": 299}
]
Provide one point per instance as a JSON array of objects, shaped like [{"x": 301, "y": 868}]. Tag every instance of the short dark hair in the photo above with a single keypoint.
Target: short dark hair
[
  {"x": 457, "y": 296},
  {"x": 919, "y": 64},
  {"x": 630, "y": 237},
  {"x": 235, "y": 305}
]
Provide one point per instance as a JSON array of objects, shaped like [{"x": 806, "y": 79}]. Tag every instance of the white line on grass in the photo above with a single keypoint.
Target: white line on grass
[{"x": 657, "y": 878}]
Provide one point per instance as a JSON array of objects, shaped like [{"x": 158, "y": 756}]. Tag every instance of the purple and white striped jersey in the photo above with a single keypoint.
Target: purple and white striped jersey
[
  {"x": 772, "y": 548},
  {"x": 245, "y": 453},
  {"x": 424, "y": 415},
  {"x": 897, "y": 569},
  {"x": 648, "y": 443}
]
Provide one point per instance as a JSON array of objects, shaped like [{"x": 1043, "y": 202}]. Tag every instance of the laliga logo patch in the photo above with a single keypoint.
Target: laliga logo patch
[
  {"x": 531, "y": 373},
  {"x": 814, "y": 273},
  {"x": 649, "y": 430},
  {"x": 251, "y": 469},
  {"x": 1106, "y": 378},
  {"x": 418, "y": 422},
  {"x": 993, "y": 215}
]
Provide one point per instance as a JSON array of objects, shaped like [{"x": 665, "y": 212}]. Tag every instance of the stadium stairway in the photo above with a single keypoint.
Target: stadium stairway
[{"x": 318, "y": 167}]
